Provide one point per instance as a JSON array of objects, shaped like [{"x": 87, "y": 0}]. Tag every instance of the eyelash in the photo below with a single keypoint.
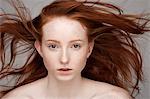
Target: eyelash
[
  {"x": 76, "y": 46},
  {"x": 52, "y": 46}
]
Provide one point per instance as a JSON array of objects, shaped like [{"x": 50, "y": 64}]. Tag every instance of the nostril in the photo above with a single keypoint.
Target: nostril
[{"x": 64, "y": 60}]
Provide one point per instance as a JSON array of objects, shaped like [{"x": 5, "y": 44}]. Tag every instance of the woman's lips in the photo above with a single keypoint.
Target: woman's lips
[{"x": 64, "y": 71}]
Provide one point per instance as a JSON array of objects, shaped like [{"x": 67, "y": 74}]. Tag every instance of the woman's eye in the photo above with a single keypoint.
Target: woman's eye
[
  {"x": 52, "y": 46},
  {"x": 76, "y": 46}
]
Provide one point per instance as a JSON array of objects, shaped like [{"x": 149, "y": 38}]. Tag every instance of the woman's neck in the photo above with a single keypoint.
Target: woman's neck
[{"x": 67, "y": 89}]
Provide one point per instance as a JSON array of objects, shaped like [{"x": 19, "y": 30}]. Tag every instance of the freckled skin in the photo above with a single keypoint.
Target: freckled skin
[{"x": 64, "y": 45}]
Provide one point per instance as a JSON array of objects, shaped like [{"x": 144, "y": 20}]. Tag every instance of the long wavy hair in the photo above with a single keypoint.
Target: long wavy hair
[{"x": 115, "y": 58}]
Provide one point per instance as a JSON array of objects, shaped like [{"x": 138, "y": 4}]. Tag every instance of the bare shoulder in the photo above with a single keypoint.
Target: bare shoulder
[
  {"x": 18, "y": 93},
  {"x": 116, "y": 93},
  {"x": 23, "y": 92},
  {"x": 113, "y": 94},
  {"x": 15, "y": 97},
  {"x": 108, "y": 91}
]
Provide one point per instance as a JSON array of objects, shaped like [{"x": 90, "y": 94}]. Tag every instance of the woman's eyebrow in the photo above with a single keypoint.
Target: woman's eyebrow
[
  {"x": 56, "y": 41},
  {"x": 77, "y": 40},
  {"x": 52, "y": 41}
]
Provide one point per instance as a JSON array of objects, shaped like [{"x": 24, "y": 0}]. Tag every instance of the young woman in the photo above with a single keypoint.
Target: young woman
[{"x": 76, "y": 50}]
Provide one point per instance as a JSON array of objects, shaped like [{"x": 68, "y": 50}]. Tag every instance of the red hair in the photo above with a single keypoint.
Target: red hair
[{"x": 115, "y": 57}]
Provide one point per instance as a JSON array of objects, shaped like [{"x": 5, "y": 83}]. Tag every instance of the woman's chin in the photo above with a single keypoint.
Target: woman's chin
[{"x": 65, "y": 78}]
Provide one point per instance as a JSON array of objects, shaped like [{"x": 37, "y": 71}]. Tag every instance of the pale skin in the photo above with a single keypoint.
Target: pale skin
[{"x": 65, "y": 50}]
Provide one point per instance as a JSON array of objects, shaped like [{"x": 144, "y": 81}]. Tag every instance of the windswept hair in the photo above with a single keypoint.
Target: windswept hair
[{"x": 115, "y": 58}]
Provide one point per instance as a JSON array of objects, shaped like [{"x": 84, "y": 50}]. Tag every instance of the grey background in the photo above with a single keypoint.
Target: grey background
[{"x": 129, "y": 6}]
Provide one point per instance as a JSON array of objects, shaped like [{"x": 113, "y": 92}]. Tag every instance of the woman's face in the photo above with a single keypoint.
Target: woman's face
[{"x": 65, "y": 48}]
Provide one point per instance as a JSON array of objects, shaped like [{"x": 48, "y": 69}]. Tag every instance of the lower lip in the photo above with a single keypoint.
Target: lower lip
[{"x": 61, "y": 72}]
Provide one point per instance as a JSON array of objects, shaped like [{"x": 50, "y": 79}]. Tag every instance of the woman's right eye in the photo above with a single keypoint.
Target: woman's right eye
[{"x": 52, "y": 46}]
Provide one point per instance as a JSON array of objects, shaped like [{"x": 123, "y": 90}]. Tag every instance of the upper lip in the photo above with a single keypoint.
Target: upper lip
[{"x": 64, "y": 69}]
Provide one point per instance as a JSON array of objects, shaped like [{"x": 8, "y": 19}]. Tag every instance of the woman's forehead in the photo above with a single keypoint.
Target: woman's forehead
[
  {"x": 63, "y": 22},
  {"x": 62, "y": 26}
]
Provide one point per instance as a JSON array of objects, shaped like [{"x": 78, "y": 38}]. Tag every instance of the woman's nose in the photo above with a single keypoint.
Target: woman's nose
[{"x": 64, "y": 57}]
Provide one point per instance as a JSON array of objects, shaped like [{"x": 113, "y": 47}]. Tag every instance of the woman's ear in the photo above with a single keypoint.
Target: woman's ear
[
  {"x": 91, "y": 46},
  {"x": 37, "y": 45}
]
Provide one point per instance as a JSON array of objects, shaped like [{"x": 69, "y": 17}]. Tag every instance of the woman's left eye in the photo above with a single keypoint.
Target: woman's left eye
[{"x": 76, "y": 46}]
